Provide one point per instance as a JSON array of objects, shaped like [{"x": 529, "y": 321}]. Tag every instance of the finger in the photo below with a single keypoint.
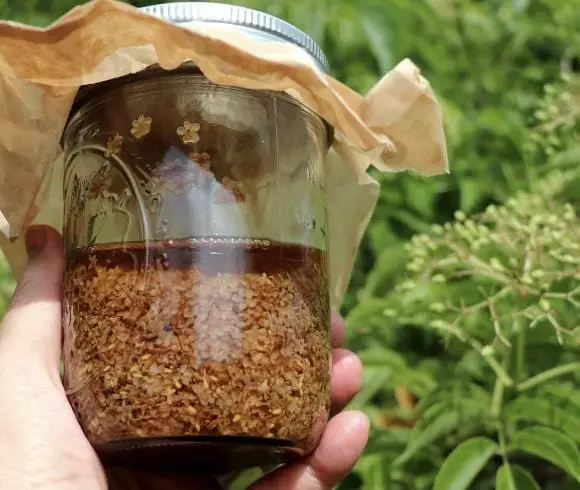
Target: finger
[
  {"x": 346, "y": 380},
  {"x": 337, "y": 330},
  {"x": 32, "y": 326},
  {"x": 340, "y": 447}
]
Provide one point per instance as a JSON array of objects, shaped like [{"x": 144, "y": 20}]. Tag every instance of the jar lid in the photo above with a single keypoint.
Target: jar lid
[{"x": 258, "y": 23}]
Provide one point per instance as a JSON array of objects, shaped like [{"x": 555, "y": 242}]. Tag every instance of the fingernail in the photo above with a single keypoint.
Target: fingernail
[
  {"x": 35, "y": 240},
  {"x": 356, "y": 420}
]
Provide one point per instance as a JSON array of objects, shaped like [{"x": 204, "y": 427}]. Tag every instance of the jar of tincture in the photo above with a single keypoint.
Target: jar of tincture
[{"x": 196, "y": 311}]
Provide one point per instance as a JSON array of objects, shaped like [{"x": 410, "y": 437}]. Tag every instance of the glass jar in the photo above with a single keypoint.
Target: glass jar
[{"x": 196, "y": 306}]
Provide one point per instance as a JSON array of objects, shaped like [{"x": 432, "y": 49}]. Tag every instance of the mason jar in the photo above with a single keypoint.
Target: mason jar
[{"x": 196, "y": 305}]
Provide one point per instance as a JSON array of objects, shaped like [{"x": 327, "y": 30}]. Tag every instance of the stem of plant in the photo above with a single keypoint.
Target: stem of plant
[
  {"x": 499, "y": 389},
  {"x": 502, "y": 376},
  {"x": 496, "y": 409},
  {"x": 548, "y": 375},
  {"x": 520, "y": 352},
  {"x": 497, "y": 398},
  {"x": 504, "y": 451},
  {"x": 502, "y": 443}
]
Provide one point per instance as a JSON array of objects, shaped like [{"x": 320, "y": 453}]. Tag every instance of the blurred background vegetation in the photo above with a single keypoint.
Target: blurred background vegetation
[{"x": 463, "y": 300}]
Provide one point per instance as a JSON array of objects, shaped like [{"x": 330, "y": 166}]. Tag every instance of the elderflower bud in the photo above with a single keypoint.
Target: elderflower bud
[
  {"x": 389, "y": 313},
  {"x": 437, "y": 307},
  {"x": 491, "y": 210},
  {"x": 540, "y": 115},
  {"x": 415, "y": 266},
  {"x": 552, "y": 110},
  {"x": 496, "y": 264},
  {"x": 483, "y": 230},
  {"x": 437, "y": 230},
  {"x": 569, "y": 213},
  {"x": 513, "y": 262},
  {"x": 552, "y": 219},
  {"x": 470, "y": 225},
  {"x": 487, "y": 351},
  {"x": 527, "y": 280},
  {"x": 440, "y": 324},
  {"x": 484, "y": 241},
  {"x": 431, "y": 245},
  {"x": 460, "y": 216},
  {"x": 545, "y": 305},
  {"x": 420, "y": 252}
]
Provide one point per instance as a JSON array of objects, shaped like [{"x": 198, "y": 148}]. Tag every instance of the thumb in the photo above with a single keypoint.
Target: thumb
[
  {"x": 32, "y": 326},
  {"x": 339, "y": 449}
]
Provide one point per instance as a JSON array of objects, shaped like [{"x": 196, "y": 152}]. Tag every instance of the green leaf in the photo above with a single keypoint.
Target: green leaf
[
  {"x": 420, "y": 195},
  {"x": 471, "y": 192},
  {"x": 564, "y": 395},
  {"x": 545, "y": 412},
  {"x": 429, "y": 430},
  {"x": 409, "y": 219},
  {"x": 374, "y": 470},
  {"x": 418, "y": 381},
  {"x": 391, "y": 362},
  {"x": 513, "y": 477},
  {"x": 462, "y": 395},
  {"x": 551, "y": 445},
  {"x": 464, "y": 463},
  {"x": 359, "y": 315},
  {"x": 375, "y": 380},
  {"x": 381, "y": 237},
  {"x": 377, "y": 39},
  {"x": 245, "y": 479},
  {"x": 381, "y": 357},
  {"x": 382, "y": 278}
]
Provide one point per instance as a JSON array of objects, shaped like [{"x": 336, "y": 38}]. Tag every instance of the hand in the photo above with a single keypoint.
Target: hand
[{"x": 43, "y": 445}]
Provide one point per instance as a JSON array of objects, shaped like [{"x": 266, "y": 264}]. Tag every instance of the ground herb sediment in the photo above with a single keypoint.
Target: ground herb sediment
[{"x": 181, "y": 339}]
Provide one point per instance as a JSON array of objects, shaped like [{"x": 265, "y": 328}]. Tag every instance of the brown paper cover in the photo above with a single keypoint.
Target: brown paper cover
[{"x": 397, "y": 126}]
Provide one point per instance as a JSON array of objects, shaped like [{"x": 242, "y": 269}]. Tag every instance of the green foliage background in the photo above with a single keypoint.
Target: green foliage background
[{"x": 467, "y": 327}]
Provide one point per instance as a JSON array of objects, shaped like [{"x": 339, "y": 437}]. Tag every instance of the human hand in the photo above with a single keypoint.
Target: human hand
[{"x": 43, "y": 445}]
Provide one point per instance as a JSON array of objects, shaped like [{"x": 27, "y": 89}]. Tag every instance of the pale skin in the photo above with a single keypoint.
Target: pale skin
[{"x": 42, "y": 445}]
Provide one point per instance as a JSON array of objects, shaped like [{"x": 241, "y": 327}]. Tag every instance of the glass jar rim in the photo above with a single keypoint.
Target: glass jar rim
[{"x": 256, "y": 22}]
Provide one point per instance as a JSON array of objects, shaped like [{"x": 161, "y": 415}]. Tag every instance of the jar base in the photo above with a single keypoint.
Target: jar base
[{"x": 205, "y": 454}]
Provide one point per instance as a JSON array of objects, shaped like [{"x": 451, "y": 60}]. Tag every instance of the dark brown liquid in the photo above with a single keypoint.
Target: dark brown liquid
[{"x": 223, "y": 255}]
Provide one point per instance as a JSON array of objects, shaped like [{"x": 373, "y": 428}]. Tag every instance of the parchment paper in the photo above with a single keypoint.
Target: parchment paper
[{"x": 397, "y": 126}]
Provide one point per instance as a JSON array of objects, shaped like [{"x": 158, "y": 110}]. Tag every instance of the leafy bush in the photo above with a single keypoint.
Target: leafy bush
[
  {"x": 502, "y": 293},
  {"x": 473, "y": 357}
]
